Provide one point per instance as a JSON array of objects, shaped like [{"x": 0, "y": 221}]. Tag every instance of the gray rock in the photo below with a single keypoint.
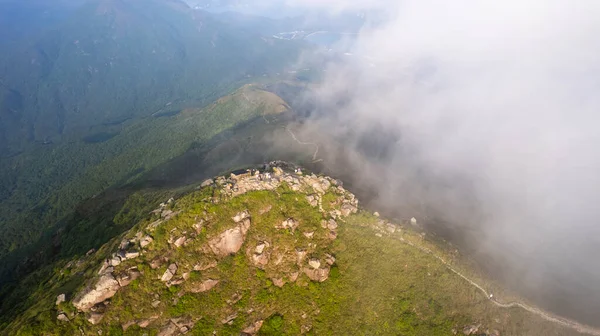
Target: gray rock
[
  {"x": 105, "y": 288},
  {"x": 60, "y": 299},
  {"x": 241, "y": 216},
  {"x": 132, "y": 254},
  {"x": 332, "y": 225},
  {"x": 95, "y": 318},
  {"x": 253, "y": 328},
  {"x": 180, "y": 241},
  {"x": 62, "y": 317},
  {"x": 230, "y": 241},
  {"x": 169, "y": 273},
  {"x": 204, "y": 286},
  {"x": 206, "y": 183},
  {"x": 146, "y": 241},
  {"x": 319, "y": 275},
  {"x": 314, "y": 263}
]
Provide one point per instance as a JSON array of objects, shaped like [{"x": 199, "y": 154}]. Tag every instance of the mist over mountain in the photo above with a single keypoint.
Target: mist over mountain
[{"x": 469, "y": 128}]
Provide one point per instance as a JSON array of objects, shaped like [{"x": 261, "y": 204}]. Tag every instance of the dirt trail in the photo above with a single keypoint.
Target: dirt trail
[
  {"x": 545, "y": 315},
  {"x": 314, "y": 158}
]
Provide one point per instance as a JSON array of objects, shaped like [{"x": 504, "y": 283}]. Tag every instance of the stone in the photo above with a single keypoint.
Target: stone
[
  {"x": 169, "y": 273},
  {"x": 156, "y": 263},
  {"x": 312, "y": 200},
  {"x": 145, "y": 323},
  {"x": 314, "y": 263},
  {"x": 253, "y": 328},
  {"x": 260, "y": 248},
  {"x": 294, "y": 276},
  {"x": 146, "y": 241},
  {"x": 204, "y": 286},
  {"x": 198, "y": 226},
  {"x": 132, "y": 254},
  {"x": 471, "y": 330},
  {"x": 309, "y": 235},
  {"x": 95, "y": 318},
  {"x": 105, "y": 288},
  {"x": 279, "y": 282},
  {"x": 62, "y": 317},
  {"x": 229, "y": 319},
  {"x": 332, "y": 225},
  {"x": 169, "y": 329},
  {"x": 413, "y": 221},
  {"x": 115, "y": 261},
  {"x": 206, "y": 183},
  {"x": 391, "y": 228},
  {"x": 289, "y": 223},
  {"x": 241, "y": 216},
  {"x": 376, "y": 214},
  {"x": 265, "y": 209},
  {"x": 129, "y": 277},
  {"x": 329, "y": 259},
  {"x": 180, "y": 241},
  {"x": 155, "y": 303},
  {"x": 230, "y": 241},
  {"x": 300, "y": 255},
  {"x": 348, "y": 209},
  {"x": 260, "y": 260},
  {"x": 205, "y": 265},
  {"x": 319, "y": 275},
  {"x": 60, "y": 299}
]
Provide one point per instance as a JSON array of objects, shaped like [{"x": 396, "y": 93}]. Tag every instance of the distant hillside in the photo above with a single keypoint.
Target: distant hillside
[{"x": 112, "y": 60}]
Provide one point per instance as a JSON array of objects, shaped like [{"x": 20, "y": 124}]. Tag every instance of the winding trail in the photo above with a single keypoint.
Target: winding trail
[
  {"x": 314, "y": 158},
  {"x": 536, "y": 311}
]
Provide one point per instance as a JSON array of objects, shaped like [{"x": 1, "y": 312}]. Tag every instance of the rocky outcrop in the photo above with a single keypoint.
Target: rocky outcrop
[
  {"x": 230, "y": 241},
  {"x": 105, "y": 288}
]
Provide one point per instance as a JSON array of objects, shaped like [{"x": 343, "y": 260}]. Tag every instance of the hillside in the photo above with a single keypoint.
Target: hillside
[
  {"x": 110, "y": 61},
  {"x": 269, "y": 252},
  {"x": 48, "y": 184}
]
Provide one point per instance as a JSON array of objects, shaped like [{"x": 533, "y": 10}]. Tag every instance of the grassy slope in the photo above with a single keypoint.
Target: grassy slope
[
  {"x": 378, "y": 286},
  {"x": 80, "y": 170}
]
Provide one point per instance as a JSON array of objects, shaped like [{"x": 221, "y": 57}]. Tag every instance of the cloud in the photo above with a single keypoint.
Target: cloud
[{"x": 490, "y": 109}]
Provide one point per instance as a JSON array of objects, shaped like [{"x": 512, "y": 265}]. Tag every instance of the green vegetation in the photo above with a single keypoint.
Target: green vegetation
[
  {"x": 377, "y": 284},
  {"x": 80, "y": 170}
]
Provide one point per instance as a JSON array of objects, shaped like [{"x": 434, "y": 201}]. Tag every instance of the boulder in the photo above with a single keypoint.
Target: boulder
[
  {"x": 169, "y": 273},
  {"x": 332, "y": 225},
  {"x": 115, "y": 261},
  {"x": 253, "y": 328},
  {"x": 180, "y": 241},
  {"x": 132, "y": 254},
  {"x": 105, "y": 288},
  {"x": 95, "y": 318},
  {"x": 289, "y": 223},
  {"x": 260, "y": 247},
  {"x": 309, "y": 235},
  {"x": 62, "y": 317},
  {"x": 169, "y": 329},
  {"x": 126, "y": 279},
  {"x": 312, "y": 200},
  {"x": 329, "y": 259},
  {"x": 60, "y": 299},
  {"x": 230, "y": 241},
  {"x": 348, "y": 209},
  {"x": 204, "y": 286},
  {"x": 413, "y": 221},
  {"x": 279, "y": 282},
  {"x": 319, "y": 275},
  {"x": 314, "y": 263},
  {"x": 471, "y": 329},
  {"x": 206, "y": 183},
  {"x": 241, "y": 216},
  {"x": 145, "y": 241},
  {"x": 229, "y": 319}
]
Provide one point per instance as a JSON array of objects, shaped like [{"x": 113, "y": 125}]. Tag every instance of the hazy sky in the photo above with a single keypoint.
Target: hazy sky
[{"x": 503, "y": 96}]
